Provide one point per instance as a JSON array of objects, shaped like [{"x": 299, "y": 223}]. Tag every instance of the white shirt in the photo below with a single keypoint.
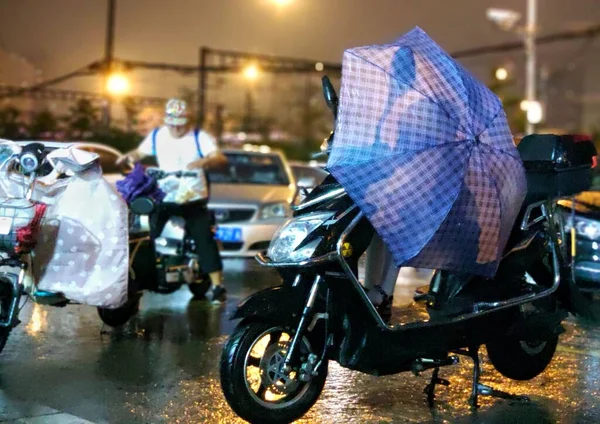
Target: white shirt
[{"x": 174, "y": 154}]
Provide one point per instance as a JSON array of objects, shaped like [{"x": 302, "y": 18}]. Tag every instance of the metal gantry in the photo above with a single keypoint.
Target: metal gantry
[{"x": 73, "y": 96}]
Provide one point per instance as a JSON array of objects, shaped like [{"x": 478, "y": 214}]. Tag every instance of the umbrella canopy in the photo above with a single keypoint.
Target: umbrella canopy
[{"x": 425, "y": 151}]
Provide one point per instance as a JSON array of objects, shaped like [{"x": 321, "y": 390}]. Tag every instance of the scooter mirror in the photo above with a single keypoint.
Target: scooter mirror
[{"x": 330, "y": 95}]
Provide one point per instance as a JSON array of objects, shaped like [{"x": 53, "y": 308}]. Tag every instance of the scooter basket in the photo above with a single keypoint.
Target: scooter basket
[{"x": 20, "y": 222}]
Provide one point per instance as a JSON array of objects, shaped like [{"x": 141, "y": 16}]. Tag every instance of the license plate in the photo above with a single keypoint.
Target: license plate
[
  {"x": 229, "y": 234},
  {"x": 5, "y": 225}
]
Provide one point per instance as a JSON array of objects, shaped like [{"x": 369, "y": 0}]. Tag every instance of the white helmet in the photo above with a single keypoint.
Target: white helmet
[{"x": 176, "y": 112}]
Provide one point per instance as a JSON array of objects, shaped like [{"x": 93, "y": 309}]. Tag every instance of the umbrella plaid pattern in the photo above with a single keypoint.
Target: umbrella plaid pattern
[{"x": 425, "y": 151}]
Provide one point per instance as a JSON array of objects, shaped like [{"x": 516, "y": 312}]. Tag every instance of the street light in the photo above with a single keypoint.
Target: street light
[
  {"x": 535, "y": 112},
  {"x": 251, "y": 72},
  {"x": 501, "y": 74},
  {"x": 117, "y": 84},
  {"x": 281, "y": 3}
]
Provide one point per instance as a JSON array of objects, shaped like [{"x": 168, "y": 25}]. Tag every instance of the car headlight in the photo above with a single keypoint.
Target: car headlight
[
  {"x": 275, "y": 210},
  {"x": 284, "y": 246},
  {"x": 584, "y": 227}
]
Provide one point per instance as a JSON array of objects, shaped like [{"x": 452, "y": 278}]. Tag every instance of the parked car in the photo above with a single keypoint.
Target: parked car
[
  {"x": 586, "y": 222},
  {"x": 108, "y": 155},
  {"x": 308, "y": 175},
  {"x": 251, "y": 198}
]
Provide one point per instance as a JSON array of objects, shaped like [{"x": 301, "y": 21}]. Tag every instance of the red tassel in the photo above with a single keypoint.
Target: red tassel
[{"x": 27, "y": 236}]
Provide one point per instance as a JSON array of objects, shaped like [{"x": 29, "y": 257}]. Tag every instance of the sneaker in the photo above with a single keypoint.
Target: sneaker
[{"x": 216, "y": 294}]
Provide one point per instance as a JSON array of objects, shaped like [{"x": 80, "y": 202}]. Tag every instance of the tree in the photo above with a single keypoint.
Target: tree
[
  {"x": 189, "y": 96},
  {"x": 10, "y": 125},
  {"x": 511, "y": 103},
  {"x": 308, "y": 117},
  {"x": 249, "y": 119},
  {"x": 131, "y": 113},
  {"x": 83, "y": 119},
  {"x": 42, "y": 124}
]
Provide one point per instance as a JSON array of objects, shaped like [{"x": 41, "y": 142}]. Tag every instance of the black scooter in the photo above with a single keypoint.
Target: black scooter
[
  {"x": 162, "y": 265},
  {"x": 274, "y": 365}
]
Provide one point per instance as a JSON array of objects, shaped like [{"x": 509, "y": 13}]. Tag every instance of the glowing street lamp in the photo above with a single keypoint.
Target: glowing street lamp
[
  {"x": 523, "y": 105},
  {"x": 535, "y": 112},
  {"x": 251, "y": 72},
  {"x": 117, "y": 84},
  {"x": 281, "y": 3},
  {"x": 501, "y": 74}
]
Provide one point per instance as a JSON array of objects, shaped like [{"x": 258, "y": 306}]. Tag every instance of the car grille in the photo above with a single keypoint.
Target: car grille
[
  {"x": 224, "y": 216},
  {"x": 232, "y": 246},
  {"x": 260, "y": 245}
]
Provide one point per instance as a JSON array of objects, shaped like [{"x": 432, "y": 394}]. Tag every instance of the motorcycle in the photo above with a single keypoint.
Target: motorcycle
[
  {"x": 160, "y": 266},
  {"x": 20, "y": 227},
  {"x": 275, "y": 363}
]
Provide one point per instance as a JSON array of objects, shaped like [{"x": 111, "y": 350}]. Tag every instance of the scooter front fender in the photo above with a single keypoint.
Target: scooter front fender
[{"x": 280, "y": 302}]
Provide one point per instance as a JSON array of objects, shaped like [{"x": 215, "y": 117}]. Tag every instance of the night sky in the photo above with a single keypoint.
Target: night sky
[{"x": 61, "y": 35}]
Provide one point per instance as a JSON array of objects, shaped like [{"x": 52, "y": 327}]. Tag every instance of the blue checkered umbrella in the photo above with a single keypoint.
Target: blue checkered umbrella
[{"x": 425, "y": 151}]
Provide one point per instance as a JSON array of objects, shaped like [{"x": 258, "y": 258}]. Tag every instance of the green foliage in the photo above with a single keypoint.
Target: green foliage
[
  {"x": 43, "y": 123},
  {"x": 82, "y": 124},
  {"x": 123, "y": 141},
  {"x": 517, "y": 119},
  {"x": 10, "y": 124}
]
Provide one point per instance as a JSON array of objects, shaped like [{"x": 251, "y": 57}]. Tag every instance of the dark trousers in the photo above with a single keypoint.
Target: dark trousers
[{"x": 198, "y": 222}]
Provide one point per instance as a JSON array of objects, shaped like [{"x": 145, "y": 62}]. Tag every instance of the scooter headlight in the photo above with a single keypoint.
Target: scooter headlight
[{"x": 285, "y": 246}]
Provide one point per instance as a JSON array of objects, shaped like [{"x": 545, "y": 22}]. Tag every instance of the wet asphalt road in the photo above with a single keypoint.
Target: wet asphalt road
[{"x": 162, "y": 367}]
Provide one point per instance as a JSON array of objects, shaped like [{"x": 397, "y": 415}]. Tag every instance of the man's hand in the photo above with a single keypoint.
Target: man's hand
[
  {"x": 123, "y": 159},
  {"x": 197, "y": 164},
  {"x": 132, "y": 157},
  {"x": 214, "y": 160}
]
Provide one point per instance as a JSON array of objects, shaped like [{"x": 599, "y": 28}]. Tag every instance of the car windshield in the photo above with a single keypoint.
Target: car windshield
[
  {"x": 303, "y": 171},
  {"x": 250, "y": 168}
]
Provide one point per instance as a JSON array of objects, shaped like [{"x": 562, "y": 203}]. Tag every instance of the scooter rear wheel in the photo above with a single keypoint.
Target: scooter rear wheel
[
  {"x": 119, "y": 316},
  {"x": 200, "y": 287},
  {"x": 252, "y": 381},
  {"x": 519, "y": 359}
]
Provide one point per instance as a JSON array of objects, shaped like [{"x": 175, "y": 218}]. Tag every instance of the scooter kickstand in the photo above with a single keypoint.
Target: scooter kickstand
[
  {"x": 475, "y": 391},
  {"x": 430, "y": 388},
  {"x": 482, "y": 389}
]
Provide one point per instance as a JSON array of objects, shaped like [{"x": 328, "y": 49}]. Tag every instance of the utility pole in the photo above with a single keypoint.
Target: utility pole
[
  {"x": 109, "y": 55},
  {"x": 531, "y": 71},
  {"x": 202, "y": 81}
]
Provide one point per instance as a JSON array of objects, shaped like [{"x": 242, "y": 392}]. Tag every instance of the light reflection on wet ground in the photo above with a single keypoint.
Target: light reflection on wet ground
[{"x": 163, "y": 367}]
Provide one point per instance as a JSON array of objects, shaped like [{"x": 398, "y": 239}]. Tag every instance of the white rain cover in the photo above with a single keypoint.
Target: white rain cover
[{"x": 83, "y": 249}]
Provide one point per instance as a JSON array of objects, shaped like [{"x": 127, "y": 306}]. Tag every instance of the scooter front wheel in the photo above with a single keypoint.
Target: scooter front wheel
[
  {"x": 5, "y": 301},
  {"x": 252, "y": 380},
  {"x": 4, "y": 333}
]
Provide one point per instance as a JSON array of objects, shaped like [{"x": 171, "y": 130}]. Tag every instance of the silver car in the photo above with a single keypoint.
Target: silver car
[
  {"x": 251, "y": 198},
  {"x": 107, "y": 155}
]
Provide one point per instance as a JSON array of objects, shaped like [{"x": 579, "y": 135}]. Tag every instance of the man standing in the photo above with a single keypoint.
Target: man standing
[{"x": 177, "y": 147}]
